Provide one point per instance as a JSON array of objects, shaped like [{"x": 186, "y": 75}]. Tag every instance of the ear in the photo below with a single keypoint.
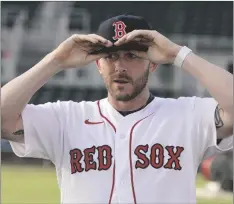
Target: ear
[
  {"x": 98, "y": 66},
  {"x": 152, "y": 66}
]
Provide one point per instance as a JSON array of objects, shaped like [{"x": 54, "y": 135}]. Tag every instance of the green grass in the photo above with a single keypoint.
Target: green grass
[{"x": 28, "y": 185}]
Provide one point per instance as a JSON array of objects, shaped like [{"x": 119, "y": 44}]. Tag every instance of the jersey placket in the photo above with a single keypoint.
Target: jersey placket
[{"x": 123, "y": 188}]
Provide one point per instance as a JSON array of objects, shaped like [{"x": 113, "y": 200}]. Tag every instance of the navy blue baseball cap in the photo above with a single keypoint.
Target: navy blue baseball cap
[{"x": 116, "y": 27}]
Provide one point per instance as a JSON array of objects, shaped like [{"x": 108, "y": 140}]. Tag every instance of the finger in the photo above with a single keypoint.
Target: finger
[
  {"x": 94, "y": 46},
  {"x": 84, "y": 38},
  {"x": 145, "y": 43},
  {"x": 102, "y": 40},
  {"x": 121, "y": 41},
  {"x": 145, "y": 34},
  {"x": 141, "y": 40},
  {"x": 138, "y": 38},
  {"x": 95, "y": 50},
  {"x": 90, "y": 41},
  {"x": 127, "y": 37}
]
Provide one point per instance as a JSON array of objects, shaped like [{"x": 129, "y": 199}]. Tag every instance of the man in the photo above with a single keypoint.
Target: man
[{"x": 130, "y": 147}]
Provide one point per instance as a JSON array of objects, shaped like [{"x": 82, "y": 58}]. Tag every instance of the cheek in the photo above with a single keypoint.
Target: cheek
[
  {"x": 105, "y": 72},
  {"x": 104, "y": 67},
  {"x": 140, "y": 64},
  {"x": 138, "y": 69}
]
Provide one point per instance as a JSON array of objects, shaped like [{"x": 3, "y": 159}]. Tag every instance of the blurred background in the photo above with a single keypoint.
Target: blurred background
[{"x": 30, "y": 30}]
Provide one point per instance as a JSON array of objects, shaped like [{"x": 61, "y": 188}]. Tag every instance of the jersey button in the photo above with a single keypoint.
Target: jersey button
[
  {"x": 122, "y": 136},
  {"x": 123, "y": 182}
]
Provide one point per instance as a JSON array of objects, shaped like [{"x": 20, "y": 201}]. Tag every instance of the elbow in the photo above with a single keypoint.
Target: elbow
[
  {"x": 8, "y": 125},
  {"x": 8, "y": 116}
]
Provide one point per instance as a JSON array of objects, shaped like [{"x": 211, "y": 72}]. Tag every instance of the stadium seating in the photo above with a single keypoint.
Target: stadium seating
[
  {"x": 203, "y": 18},
  {"x": 12, "y": 9}
]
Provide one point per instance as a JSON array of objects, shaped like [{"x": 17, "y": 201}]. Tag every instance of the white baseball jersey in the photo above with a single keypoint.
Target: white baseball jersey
[{"x": 150, "y": 156}]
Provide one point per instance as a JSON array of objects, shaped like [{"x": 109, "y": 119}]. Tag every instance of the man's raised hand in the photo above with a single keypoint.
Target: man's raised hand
[{"x": 74, "y": 52}]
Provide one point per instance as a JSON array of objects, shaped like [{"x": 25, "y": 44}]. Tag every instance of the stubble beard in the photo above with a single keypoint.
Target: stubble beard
[{"x": 138, "y": 86}]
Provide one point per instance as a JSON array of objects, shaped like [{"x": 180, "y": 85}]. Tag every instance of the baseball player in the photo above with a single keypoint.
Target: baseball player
[{"x": 130, "y": 147}]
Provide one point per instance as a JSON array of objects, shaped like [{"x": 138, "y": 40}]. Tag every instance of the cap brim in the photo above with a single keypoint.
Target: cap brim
[{"x": 124, "y": 47}]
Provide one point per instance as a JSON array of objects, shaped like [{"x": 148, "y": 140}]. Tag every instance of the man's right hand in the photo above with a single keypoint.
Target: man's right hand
[{"x": 74, "y": 52}]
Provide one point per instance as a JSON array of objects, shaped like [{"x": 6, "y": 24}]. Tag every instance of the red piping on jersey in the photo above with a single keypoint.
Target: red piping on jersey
[
  {"x": 98, "y": 103},
  {"x": 130, "y": 156},
  {"x": 113, "y": 178},
  {"x": 113, "y": 184}
]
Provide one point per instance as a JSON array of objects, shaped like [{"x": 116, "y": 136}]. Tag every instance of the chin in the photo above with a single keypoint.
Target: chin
[
  {"x": 124, "y": 96},
  {"x": 123, "y": 93}
]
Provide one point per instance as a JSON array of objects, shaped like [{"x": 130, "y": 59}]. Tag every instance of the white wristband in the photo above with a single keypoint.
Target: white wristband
[{"x": 184, "y": 51}]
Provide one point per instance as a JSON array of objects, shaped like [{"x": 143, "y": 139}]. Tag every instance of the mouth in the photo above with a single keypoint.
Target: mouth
[{"x": 121, "y": 81}]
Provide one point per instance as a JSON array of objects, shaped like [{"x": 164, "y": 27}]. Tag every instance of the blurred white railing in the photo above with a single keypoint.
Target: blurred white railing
[{"x": 11, "y": 46}]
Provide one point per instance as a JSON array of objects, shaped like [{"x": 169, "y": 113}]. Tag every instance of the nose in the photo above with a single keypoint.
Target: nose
[{"x": 120, "y": 65}]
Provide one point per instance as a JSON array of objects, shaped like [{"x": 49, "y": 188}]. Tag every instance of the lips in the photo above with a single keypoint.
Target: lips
[{"x": 121, "y": 81}]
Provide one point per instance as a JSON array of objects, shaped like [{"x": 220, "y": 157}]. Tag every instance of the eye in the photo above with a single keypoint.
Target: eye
[
  {"x": 111, "y": 56},
  {"x": 131, "y": 55}
]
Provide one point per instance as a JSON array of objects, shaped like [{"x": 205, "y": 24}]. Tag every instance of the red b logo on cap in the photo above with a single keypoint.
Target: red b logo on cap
[{"x": 119, "y": 29}]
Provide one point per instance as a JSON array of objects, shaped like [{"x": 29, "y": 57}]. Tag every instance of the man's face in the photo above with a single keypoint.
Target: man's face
[{"x": 125, "y": 75}]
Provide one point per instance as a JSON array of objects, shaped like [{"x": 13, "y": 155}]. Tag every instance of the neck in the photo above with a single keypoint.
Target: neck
[{"x": 131, "y": 105}]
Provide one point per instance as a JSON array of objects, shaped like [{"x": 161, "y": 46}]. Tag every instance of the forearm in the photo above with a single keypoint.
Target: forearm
[
  {"x": 216, "y": 80},
  {"x": 18, "y": 92}
]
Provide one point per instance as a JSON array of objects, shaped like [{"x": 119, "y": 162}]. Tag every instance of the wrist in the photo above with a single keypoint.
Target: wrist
[
  {"x": 173, "y": 53},
  {"x": 181, "y": 55},
  {"x": 54, "y": 64}
]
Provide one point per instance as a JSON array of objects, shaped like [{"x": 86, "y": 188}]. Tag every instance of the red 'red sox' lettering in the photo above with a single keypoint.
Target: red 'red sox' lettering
[
  {"x": 88, "y": 159},
  {"x": 75, "y": 157},
  {"x": 84, "y": 160},
  {"x": 174, "y": 157},
  {"x": 142, "y": 157},
  {"x": 154, "y": 156},
  {"x": 157, "y": 154},
  {"x": 104, "y": 159}
]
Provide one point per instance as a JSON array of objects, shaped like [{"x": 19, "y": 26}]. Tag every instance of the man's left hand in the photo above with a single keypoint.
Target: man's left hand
[{"x": 160, "y": 49}]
